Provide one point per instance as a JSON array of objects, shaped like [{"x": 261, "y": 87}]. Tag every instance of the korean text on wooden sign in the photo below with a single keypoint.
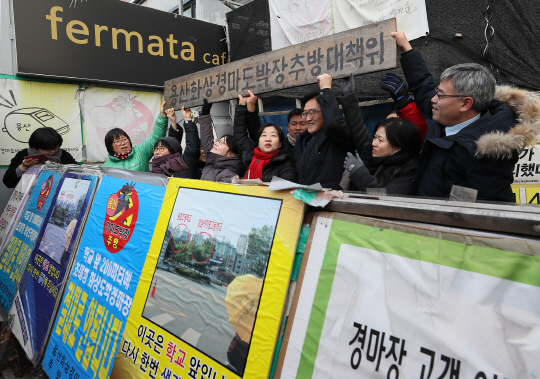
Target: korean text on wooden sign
[{"x": 357, "y": 51}]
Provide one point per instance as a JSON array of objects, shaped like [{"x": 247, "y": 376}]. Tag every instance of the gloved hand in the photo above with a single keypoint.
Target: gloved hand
[
  {"x": 347, "y": 85},
  {"x": 397, "y": 88},
  {"x": 352, "y": 163},
  {"x": 206, "y": 107}
]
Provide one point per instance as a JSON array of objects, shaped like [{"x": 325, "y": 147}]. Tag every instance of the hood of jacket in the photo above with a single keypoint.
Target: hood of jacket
[{"x": 526, "y": 107}]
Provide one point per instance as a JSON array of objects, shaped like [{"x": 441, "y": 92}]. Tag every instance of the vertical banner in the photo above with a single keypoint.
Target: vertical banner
[
  {"x": 213, "y": 287},
  {"x": 526, "y": 186},
  {"x": 396, "y": 300},
  {"x": 411, "y": 15},
  {"x": 42, "y": 280},
  {"x": 104, "y": 109},
  {"x": 100, "y": 291},
  {"x": 16, "y": 202},
  {"x": 16, "y": 255},
  {"x": 294, "y": 22},
  {"x": 26, "y": 106}
]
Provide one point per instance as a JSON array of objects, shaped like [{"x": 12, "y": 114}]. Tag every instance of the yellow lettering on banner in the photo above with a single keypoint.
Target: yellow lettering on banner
[
  {"x": 128, "y": 36},
  {"x": 88, "y": 320},
  {"x": 204, "y": 58},
  {"x": 172, "y": 41},
  {"x": 52, "y": 16},
  {"x": 97, "y": 31},
  {"x": 515, "y": 190},
  {"x": 70, "y": 30},
  {"x": 533, "y": 195},
  {"x": 95, "y": 331},
  {"x": 98, "y": 349},
  {"x": 188, "y": 54},
  {"x": 215, "y": 60},
  {"x": 71, "y": 313},
  {"x": 116, "y": 328},
  {"x": 159, "y": 45},
  {"x": 65, "y": 307},
  {"x": 76, "y": 319}
]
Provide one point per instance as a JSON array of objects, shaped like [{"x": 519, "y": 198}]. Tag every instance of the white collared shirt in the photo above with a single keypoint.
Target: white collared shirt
[{"x": 451, "y": 130}]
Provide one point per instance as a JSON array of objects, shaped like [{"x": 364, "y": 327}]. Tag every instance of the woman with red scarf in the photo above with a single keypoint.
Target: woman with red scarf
[{"x": 267, "y": 159}]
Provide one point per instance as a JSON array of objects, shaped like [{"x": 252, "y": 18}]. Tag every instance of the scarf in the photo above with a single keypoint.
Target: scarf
[
  {"x": 123, "y": 156},
  {"x": 167, "y": 164},
  {"x": 53, "y": 158},
  {"x": 291, "y": 140},
  {"x": 259, "y": 161},
  {"x": 373, "y": 163}
]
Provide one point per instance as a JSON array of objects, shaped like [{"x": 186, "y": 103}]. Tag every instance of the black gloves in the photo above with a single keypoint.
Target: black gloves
[
  {"x": 347, "y": 85},
  {"x": 205, "y": 108},
  {"x": 397, "y": 88},
  {"x": 352, "y": 163}
]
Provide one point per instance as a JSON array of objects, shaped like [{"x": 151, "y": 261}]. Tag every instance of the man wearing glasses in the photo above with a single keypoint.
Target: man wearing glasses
[
  {"x": 320, "y": 150},
  {"x": 468, "y": 143}
]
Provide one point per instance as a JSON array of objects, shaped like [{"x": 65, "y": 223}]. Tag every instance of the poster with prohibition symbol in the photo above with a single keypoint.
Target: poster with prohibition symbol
[
  {"x": 16, "y": 255},
  {"x": 99, "y": 294},
  {"x": 212, "y": 291},
  {"x": 395, "y": 300},
  {"x": 34, "y": 304}
]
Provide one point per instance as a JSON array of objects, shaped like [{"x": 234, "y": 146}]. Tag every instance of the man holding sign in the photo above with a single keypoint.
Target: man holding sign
[
  {"x": 473, "y": 141},
  {"x": 321, "y": 149}
]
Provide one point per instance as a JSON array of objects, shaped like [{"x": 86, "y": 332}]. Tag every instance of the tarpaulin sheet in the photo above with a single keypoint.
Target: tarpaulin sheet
[
  {"x": 42, "y": 281},
  {"x": 16, "y": 255},
  {"x": 213, "y": 287},
  {"x": 100, "y": 291}
]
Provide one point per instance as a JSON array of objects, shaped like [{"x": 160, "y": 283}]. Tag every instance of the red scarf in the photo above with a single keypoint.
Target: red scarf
[
  {"x": 259, "y": 161},
  {"x": 122, "y": 156}
]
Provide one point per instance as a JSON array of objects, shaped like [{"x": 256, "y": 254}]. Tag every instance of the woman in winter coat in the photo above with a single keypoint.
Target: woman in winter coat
[
  {"x": 390, "y": 162},
  {"x": 168, "y": 159},
  {"x": 42, "y": 141},
  {"x": 122, "y": 154},
  {"x": 222, "y": 159},
  {"x": 266, "y": 159},
  {"x": 389, "y": 159}
]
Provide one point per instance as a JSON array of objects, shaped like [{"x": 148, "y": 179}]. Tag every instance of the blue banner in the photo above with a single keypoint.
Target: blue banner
[
  {"x": 99, "y": 294},
  {"x": 26, "y": 234},
  {"x": 37, "y": 296}
]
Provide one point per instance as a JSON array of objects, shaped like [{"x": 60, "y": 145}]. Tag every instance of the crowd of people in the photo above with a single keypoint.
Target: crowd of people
[{"x": 472, "y": 141}]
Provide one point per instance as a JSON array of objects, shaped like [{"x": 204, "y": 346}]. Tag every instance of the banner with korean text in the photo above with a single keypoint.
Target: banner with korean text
[
  {"x": 526, "y": 186},
  {"x": 15, "y": 205},
  {"x": 99, "y": 294},
  {"x": 213, "y": 288},
  {"x": 42, "y": 280},
  {"x": 16, "y": 255},
  {"x": 390, "y": 299}
]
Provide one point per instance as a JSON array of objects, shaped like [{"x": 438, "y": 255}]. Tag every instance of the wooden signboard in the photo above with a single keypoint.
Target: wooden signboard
[{"x": 357, "y": 51}]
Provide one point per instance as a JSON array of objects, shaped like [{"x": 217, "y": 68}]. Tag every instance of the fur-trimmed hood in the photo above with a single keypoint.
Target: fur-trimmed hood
[{"x": 526, "y": 107}]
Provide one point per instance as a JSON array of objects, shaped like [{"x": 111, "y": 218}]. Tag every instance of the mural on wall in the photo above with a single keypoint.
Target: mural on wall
[
  {"x": 26, "y": 106},
  {"x": 105, "y": 109}
]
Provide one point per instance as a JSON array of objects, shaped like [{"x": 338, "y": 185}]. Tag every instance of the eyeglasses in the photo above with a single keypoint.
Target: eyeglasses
[
  {"x": 120, "y": 141},
  {"x": 221, "y": 142},
  {"x": 443, "y": 96},
  {"x": 160, "y": 149},
  {"x": 310, "y": 113}
]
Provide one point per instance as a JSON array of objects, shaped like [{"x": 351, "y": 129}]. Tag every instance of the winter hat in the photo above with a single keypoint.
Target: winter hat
[{"x": 170, "y": 143}]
